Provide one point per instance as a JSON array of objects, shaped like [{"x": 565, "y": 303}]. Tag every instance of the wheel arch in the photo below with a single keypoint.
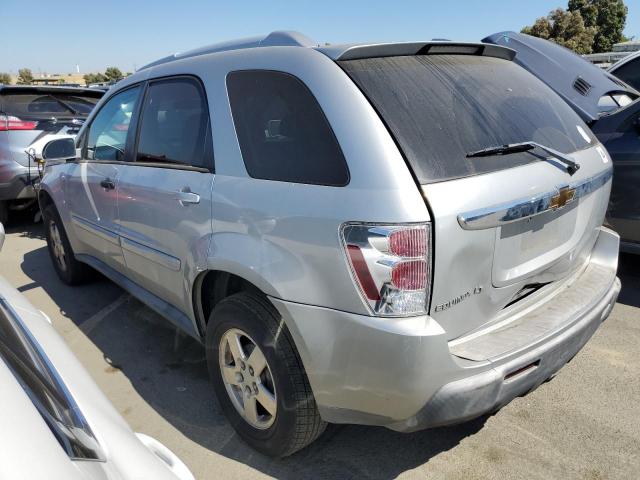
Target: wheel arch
[{"x": 213, "y": 285}]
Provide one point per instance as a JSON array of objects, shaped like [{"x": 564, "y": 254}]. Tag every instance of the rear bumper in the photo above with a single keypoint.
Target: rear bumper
[
  {"x": 16, "y": 182},
  {"x": 403, "y": 374}
]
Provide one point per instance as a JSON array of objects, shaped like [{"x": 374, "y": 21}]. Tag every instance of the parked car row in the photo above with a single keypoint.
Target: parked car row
[
  {"x": 29, "y": 115},
  {"x": 403, "y": 234}
]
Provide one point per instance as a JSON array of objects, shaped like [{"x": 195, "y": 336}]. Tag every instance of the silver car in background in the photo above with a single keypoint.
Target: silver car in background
[
  {"x": 405, "y": 234},
  {"x": 28, "y": 114},
  {"x": 55, "y": 423}
]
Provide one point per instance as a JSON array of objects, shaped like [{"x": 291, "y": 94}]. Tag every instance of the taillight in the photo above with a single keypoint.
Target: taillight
[
  {"x": 9, "y": 122},
  {"x": 391, "y": 266}
]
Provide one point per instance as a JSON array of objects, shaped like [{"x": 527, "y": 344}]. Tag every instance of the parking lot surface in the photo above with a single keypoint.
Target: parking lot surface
[{"x": 583, "y": 424}]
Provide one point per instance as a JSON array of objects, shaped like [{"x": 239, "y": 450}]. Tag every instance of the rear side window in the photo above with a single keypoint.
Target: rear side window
[
  {"x": 174, "y": 124},
  {"x": 25, "y": 105},
  {"x": 441, "y": 107},
  {"x": 630, "y": 73},
  {"x": 283, "y": 133}
]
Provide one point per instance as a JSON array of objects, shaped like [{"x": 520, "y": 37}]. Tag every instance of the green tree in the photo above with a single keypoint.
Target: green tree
[
  {"x": 566, "y": 28},
  {"x": 113, "y": 74},
  {"x": 5, "y": 78},
  {"x": 607, "y": 16},
  {"x": 25, "y": 77},
  {"x": 90, "y": 78}
]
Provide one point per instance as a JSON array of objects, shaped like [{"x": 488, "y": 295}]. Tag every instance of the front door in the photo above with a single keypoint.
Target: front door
[
  {"x": 91, "y": 188},
  {"x": 164, "y": 196}
]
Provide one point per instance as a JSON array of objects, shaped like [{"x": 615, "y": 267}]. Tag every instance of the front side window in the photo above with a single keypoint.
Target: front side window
[
  {"x": 174, "y": 124},
  {"x": 282, "y": 130},
  {"x": 108, "y": 132}
]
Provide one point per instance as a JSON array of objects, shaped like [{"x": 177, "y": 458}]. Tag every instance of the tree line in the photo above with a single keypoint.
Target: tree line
[
  {"x": 585, "y": 26},
  {"x": 25, "y": 77}
]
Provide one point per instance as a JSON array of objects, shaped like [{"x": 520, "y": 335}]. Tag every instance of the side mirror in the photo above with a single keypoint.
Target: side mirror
[{"x": 59, "y": 149}]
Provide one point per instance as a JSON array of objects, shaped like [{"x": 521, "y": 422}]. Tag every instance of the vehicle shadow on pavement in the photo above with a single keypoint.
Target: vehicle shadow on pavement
[
  {"x": 168, "y": 371},
  {"x": 629, "y": 273}
]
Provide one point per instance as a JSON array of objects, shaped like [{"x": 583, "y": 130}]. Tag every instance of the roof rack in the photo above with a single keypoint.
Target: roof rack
[{"x": 274, "y": 39}]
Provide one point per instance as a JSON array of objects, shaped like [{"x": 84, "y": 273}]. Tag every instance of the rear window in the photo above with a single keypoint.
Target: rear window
[
  {"x": 25, "y": 105},
  {"x": 441, "y": 107}
]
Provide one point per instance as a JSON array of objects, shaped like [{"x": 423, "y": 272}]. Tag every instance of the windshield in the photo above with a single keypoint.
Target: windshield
[
  {"x": 440, "y": 107},
  {"x": 41, "y": 383}
]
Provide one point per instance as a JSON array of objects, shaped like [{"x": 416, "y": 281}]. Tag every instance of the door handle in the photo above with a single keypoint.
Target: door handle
[
  {"x": 108, "y": 184},
  {"x": 187, "y": 197}
]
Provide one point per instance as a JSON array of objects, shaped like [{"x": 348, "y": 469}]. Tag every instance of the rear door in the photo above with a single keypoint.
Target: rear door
[
  {"x": 90, "y": 188},
  {"x": 164, "y": 197},
  {"x": 503, "y": 224}
]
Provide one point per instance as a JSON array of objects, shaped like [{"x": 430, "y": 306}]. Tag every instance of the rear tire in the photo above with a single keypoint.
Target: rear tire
[
  {"x": 292, "y": 422},
  {"x": 70, "y": 270}
]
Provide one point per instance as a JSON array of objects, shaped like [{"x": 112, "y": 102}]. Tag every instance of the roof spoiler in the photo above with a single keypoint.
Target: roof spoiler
[{"x": 355, "y": 52}]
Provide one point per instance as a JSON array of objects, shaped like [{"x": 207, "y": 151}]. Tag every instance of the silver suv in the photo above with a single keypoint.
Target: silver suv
[{"x": 406, "y": 235}]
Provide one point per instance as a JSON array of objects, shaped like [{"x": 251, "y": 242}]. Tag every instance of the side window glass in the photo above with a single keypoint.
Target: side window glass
[
  {"x": 630, "y": 72},
  {"x": 108, "y": 131},
  {"x": 283, "y": 133},
  {"x": 174, "y": 124}
]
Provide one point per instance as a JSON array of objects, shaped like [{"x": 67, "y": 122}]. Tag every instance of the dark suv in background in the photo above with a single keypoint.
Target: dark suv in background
[{"x": 28, "y": 114}]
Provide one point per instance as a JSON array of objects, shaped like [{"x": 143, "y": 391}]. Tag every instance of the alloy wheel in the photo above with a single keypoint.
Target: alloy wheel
[
  {"x": 57, "y": 246},
  {"x": 247, "y": 378}
]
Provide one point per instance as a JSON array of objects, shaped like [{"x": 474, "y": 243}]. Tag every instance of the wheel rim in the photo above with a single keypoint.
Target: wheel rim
[
  {"x": 247, "y": 379},
  {"x": 56, "y": 245}
]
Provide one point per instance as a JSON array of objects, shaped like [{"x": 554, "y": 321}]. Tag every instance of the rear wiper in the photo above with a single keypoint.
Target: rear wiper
[{"x": 572, "y": 167}]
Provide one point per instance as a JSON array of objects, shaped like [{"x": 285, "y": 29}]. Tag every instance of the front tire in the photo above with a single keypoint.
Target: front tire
[
  {"x": 70, "y": 270},
  {"x": 259, "y": 378}
]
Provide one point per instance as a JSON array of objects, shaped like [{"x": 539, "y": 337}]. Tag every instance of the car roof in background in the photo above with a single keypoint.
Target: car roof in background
[
  {"x": 37, "y": 89},
  {"x": 576, "y": 80}
]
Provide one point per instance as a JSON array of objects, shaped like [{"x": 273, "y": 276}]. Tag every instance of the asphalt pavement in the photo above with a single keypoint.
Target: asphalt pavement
[{"x": 583, "y": 424}]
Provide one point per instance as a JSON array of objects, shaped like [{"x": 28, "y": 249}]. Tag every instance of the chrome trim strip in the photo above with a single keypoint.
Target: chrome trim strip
[
  {"x": 520, "y": 209},
  {"x": 88, "y": 438}
]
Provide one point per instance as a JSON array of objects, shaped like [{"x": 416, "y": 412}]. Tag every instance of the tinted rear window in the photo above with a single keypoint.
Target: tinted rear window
[
  {"x": 441, "y": 107},
  {"x": 48, "y": 104}
]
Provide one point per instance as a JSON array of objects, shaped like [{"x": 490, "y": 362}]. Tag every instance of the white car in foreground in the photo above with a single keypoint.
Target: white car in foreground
[{"x": 55, "y": 423}]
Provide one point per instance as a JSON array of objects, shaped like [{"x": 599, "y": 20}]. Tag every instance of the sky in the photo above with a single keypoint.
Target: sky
[{"x": 54, "y": 36}]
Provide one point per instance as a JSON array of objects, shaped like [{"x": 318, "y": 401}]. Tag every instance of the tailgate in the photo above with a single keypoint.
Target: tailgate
[
  {"x": 505, "y": 240},
  {"x": 505, "y": 223}
]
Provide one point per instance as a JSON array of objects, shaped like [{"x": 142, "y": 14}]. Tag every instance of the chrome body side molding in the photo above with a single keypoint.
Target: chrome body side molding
[{"x": 522, "y": 208}]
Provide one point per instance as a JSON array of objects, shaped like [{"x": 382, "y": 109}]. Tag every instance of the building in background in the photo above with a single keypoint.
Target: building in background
[{"x": 618, "y": 52}]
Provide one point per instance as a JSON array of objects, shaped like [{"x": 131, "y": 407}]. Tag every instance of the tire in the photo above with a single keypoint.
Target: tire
[
  {"x": 70, "y": 270},
  {"x": 296, "y": 422}
]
